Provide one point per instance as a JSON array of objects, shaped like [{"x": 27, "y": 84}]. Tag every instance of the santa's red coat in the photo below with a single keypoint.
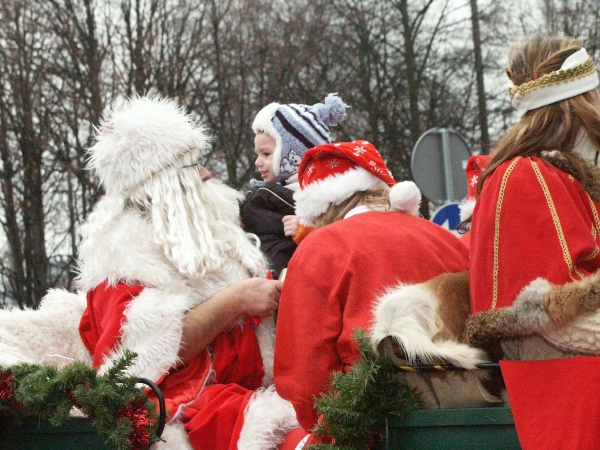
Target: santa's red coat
[{"x": 212, "y": 409}]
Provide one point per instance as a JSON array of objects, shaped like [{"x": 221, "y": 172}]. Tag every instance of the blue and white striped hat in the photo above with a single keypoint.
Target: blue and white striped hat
[{"x": 296, "y": 128}]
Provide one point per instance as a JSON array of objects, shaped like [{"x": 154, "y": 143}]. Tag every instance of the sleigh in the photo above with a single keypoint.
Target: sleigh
[
  {"x": 433, "y": 356},
  {"x": 468, "y": 428}
]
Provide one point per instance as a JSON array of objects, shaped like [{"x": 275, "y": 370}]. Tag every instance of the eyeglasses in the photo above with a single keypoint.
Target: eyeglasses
[{"x": 196, "y": 164}]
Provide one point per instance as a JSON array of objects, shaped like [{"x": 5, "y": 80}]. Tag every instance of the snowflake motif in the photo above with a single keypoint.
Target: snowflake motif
[
  {"x": 373, "y": 163},
  {"x": 474, "y": 179},
  {"x": 378, "y": 170},
  {"x": 359, "y": 150},
  {"x": 290, "y": 164},
  {"x": 333, "y": 164},
  {"x": 310, "y": 170}
]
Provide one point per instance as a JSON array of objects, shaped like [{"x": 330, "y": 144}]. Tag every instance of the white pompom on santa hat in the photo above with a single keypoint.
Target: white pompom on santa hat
[{"x": 332, "y": 173}]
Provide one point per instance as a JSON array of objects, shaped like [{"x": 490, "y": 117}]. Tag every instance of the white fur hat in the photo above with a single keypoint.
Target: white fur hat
[{"x": 143, "y": 137}]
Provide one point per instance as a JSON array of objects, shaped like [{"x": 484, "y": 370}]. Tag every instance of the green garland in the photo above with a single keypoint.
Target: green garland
[
  {"x": 121, "y": 412},
  {"x": 355, "y": 411}
]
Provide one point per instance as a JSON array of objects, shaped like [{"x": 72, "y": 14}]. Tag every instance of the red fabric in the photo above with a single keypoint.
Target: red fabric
[
  {"x": 329, "y": 160},
  {"x": 100, "y": 325},
  {"x": 331, "y": 284},
  {"x": 535, "y": 236},
  {"x": 295, "y": 437},
  {"x": 466, "y": 239},
  {"x": 214, "y": 421},
  {"x": 236, "y": 359},
  {"x": 475, "y": 167},
  {"x": 182, "y": 385},
  {"x": 555, "y": 403},
  {"x": 100, "y": 330}
]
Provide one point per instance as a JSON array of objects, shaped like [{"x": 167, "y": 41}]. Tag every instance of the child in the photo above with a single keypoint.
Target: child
[{"x": 283, "y": 134}]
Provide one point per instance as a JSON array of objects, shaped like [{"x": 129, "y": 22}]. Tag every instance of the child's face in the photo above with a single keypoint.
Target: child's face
[{"x": 264, "y": 146}]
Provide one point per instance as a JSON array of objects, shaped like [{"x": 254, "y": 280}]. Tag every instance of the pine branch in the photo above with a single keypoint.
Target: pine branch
[
  {"x": 356, "y": 409},
  {"x": 120, "y": 411}
]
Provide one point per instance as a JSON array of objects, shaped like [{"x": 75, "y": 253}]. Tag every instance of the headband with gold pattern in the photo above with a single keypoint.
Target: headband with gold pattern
[{"x": 576, "y": 76}]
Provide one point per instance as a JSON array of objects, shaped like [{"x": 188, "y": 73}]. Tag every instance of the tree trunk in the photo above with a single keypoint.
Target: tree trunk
[{"x": 479, "y": 70}]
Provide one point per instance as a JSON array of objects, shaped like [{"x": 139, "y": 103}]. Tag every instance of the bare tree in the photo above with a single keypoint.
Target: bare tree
[
  {"x": 479, "y": 71},
  {"x": 25, "y": 130}
]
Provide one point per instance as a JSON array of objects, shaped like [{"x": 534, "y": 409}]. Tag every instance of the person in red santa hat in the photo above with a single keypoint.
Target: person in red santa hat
[
  {"x": 535, "y": 240},
  {"x": 475, "y": 167},
  {"x": 169, "y": 274},
  {"x": 367, "y": 238}
]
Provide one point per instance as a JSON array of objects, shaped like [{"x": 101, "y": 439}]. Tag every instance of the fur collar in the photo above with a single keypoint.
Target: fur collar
[
  {"x": 567, "y": 316},
  {"x": 587, "y": 174},
  {"x": 126, "y": 251}
]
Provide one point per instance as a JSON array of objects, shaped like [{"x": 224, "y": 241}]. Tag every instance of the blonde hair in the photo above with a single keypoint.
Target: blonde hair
[
  {"x": 378, "y": 197},
  {"x": 558, "y": 126}
]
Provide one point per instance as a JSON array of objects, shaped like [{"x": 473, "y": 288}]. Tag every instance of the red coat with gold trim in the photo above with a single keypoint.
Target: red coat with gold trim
[{"x": 525, "y": 202}]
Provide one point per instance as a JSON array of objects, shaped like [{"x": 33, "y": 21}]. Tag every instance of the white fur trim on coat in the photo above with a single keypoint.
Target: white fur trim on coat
[
  {"x": 264, "y": 122},
  {"x": 174, "y": 437},
  {"x": 466, "y": 209},
  {"x": 408, "y": 314},
  {"x": 153, "y": 327},
  {"x": 315, "y": 198},
  {"x": 267, "y": 419}
]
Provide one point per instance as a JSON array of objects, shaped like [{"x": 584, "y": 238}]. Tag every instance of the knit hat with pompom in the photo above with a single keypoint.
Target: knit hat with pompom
[{"x": 296, "y": 128}]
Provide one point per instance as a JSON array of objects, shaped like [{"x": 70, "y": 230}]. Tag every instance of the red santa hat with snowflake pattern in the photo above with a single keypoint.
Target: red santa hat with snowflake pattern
[
  {"x": 332, "y": 173},
  {"x": 475, "y": 167}
]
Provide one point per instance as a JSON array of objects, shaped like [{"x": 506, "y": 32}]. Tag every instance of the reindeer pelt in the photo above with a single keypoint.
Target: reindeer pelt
[
  {"x": 564, "y": 303},
  {"x": 48, "y": 335},
  {"x": 427, "y": 321}
]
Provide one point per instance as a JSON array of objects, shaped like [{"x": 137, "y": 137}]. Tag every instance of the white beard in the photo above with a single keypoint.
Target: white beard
[{"x": 126, "y": 248}]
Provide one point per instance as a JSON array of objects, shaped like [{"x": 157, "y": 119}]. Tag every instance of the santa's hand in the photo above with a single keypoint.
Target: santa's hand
[
  {"x": 290, "y": 225},
  {"x": 258, "y": 296}
]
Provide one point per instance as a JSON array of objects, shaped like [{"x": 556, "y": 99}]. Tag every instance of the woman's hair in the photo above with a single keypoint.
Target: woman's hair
[
  {"x": 557, "y": 126},
  {"x": 378, "y": 197}
]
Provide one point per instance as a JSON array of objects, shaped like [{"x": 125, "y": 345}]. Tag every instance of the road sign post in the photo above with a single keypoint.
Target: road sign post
[{"x": 438, "y": 165}]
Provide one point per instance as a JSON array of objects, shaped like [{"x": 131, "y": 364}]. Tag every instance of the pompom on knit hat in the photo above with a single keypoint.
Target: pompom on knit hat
[
  {"x": 296, "y": 128},
  {"x": 332, "y": 173},
  {"x": 145, "y": 136}
]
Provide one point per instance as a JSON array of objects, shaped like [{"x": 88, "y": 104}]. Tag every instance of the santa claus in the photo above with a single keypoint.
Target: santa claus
[{"x": 166, "y": 271}]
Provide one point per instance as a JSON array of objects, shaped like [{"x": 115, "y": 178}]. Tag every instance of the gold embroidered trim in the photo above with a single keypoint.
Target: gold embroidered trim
[
  {"x": 556, "y": 77},
  {"x": 594, "y": 231},
  {"x": 595, "y": 214},
  {"x": 497, "y": 231},
  {"x": 590, "y": 256},
  {"x": 557, "y": 224}
]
